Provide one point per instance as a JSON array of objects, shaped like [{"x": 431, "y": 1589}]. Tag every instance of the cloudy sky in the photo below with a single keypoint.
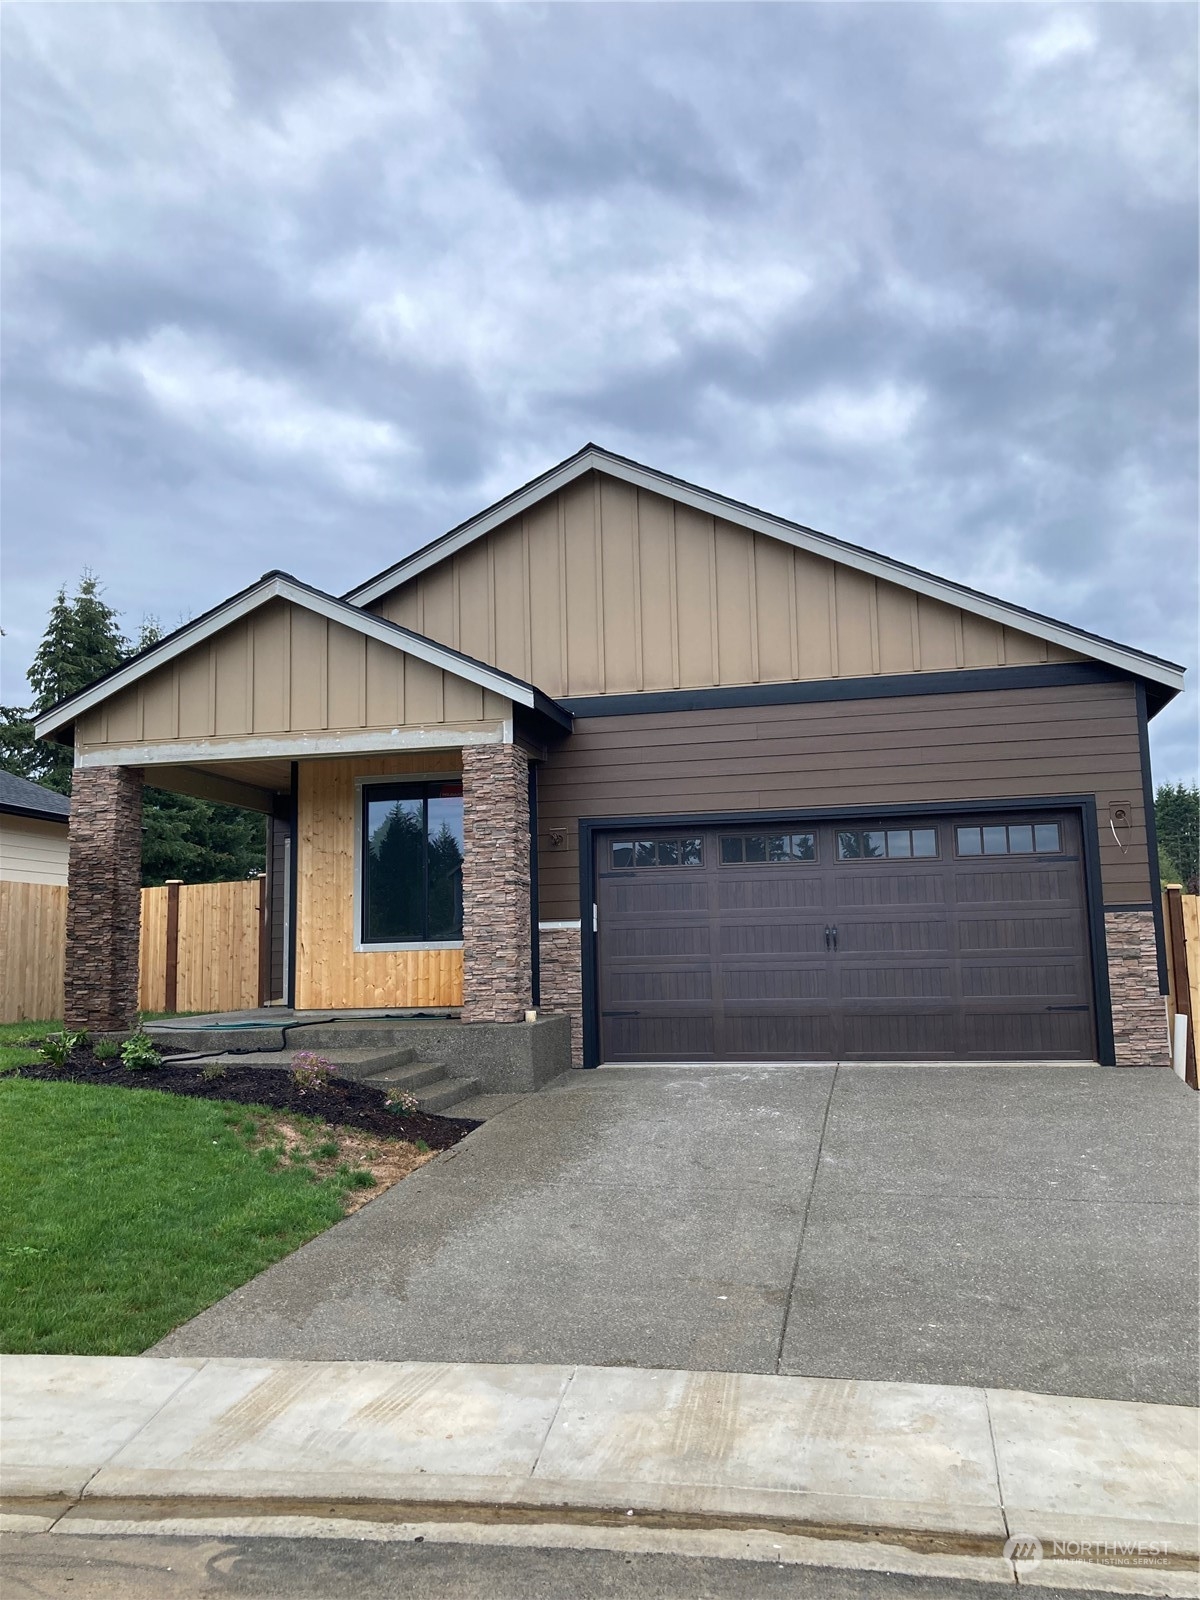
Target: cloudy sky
[{"x": 303, "y": 286}]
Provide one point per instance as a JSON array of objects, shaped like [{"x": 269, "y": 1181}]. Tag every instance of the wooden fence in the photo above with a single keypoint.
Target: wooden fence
[
  {"x": 33, "y": 947},
  {"x": 1181, "y": 918},
  {"x": 203, "y": 947}
]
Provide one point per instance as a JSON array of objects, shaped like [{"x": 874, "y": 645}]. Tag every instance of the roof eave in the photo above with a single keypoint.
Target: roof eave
[{"x": 35, "y": 813}]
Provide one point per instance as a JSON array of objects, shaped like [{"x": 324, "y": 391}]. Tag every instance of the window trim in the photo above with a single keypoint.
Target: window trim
[{"x": 389, "y": 780}]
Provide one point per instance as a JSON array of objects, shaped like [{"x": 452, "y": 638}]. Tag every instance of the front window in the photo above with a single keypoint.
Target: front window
[{"x": 412, "y": 857}]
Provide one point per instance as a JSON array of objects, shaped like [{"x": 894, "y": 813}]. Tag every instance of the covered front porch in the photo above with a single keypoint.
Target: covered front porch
[{"x": 394, "y": 778}]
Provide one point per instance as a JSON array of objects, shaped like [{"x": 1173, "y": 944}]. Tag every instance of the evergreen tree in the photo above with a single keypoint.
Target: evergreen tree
[
  {"x": 182, "y": 837},
  {"x": 1177, "y": 818},
  {"x": 197, "y": 840},
  {"x": 81, "y": 643}
]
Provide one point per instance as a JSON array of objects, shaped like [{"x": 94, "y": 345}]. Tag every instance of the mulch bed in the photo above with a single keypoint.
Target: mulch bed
[{"x": 341, "y": 1101}]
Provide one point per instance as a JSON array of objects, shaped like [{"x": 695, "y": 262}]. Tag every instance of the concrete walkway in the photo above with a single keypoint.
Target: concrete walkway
[
  {"x": 1013, "y": 1227},
  {"x": 93, "y": 1443}
]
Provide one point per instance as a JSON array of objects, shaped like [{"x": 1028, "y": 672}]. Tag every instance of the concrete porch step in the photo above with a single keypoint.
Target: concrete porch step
[
  {"x": 434, "y": 1089},
  {"x": 413, "y": 1075},
  {"x": 359, "y": 1065}
]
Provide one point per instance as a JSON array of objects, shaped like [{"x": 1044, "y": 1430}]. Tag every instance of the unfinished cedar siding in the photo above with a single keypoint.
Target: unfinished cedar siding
[
  {"x": 985, "y": 745},
  {"x": 330, "y": 972},
  {"x": 608, "y": 589}
]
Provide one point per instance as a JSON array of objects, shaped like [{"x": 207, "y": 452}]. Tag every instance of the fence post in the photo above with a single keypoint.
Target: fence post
[
  {"x": 264, "y": 942},
  {"x": 1181, "y": 997},
  {"x": 171, "y": 996}
]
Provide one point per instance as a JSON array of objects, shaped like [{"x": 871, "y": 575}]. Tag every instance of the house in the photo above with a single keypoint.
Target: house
[
  {"x": 717, "y": 785},
  {"x": 33, "y": 832}
]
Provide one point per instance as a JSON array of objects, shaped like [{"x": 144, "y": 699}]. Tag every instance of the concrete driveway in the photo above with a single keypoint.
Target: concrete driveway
[{"x": 1019, "y": 1227}]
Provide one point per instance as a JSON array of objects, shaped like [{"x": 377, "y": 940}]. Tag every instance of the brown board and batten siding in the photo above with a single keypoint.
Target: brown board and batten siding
[
  {"x": 604, "y": 588},
  {"x": 1017, "y": 744}
]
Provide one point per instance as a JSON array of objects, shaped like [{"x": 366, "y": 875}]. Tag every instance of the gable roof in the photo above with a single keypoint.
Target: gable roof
[
  {"x": 282, "y": 586},
  {"x": 21, "y": 798},
  {"x": 593, "y": 458}
]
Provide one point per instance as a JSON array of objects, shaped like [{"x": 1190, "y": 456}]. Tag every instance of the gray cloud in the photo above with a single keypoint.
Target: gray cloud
[{"x": 304, "y": 285}]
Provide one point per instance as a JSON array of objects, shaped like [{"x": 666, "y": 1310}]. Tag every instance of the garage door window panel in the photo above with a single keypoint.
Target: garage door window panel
[
  {"x": 887, "y": 844},
  {"x": 641, "y": 853},
  {"x": 1011, "y": 839},
  {"x": 753, "y": 849}
]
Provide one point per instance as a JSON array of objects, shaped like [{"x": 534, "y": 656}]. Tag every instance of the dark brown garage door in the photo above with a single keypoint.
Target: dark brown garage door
[{"x": 958, "y": 938}]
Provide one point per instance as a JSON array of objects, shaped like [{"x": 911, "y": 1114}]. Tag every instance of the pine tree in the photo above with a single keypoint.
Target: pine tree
[
  {"x": 182, "y": 837},
  {"x": 81, "y": 643},
  {"x": 1177, "y": 819}
]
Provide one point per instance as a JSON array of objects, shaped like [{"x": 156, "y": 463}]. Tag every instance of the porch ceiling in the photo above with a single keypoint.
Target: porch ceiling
[{"x": 253, "y": 784}]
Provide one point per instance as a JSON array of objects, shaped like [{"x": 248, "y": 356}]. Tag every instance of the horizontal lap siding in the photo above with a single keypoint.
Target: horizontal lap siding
[{"x": 988, "y": 745}]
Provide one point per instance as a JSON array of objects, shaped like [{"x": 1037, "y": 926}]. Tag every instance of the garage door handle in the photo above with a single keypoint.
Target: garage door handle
[
  {"x": 828, "y": 937},
  {"x": 833, "y": 930}
]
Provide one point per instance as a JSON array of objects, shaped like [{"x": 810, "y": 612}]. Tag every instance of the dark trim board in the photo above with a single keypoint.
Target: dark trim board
[
  {"x": 293, "y": 885},
  {"x": 36, "y": 815},
  {"x": 1160, "y": 937},
  {"x": 1084, "y": 805},
  {"x": 535, "y": 937},
  {"x": 888, "y": 687}
]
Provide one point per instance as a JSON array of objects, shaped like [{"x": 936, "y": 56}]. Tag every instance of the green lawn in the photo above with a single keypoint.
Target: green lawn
[
  {"x": 125, "y": 1211},
  {"x": 15, "y": 1054}
]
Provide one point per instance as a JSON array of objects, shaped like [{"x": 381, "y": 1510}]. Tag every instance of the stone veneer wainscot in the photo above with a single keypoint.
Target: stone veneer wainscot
[{"x": 1138, "y": 1009}]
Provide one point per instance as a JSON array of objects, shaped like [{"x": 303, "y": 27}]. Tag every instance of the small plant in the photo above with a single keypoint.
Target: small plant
[
  {"x": 214, "y": 1069},
  {"x": 356, "y": 1177},
  {"x": 56, "y": 1048},
  {"x": 310, "y": 1071},
  {"x": 138, "y": 1053},
  {"x": 326, "y": 1151},
  {"x": 106, "y": 1050},
  {"x": 422, "y": 1147},
  {"x": 404, "y": 1103}
]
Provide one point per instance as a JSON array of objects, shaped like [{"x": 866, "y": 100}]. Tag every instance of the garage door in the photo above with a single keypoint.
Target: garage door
[{"x": 919, "y": 939}]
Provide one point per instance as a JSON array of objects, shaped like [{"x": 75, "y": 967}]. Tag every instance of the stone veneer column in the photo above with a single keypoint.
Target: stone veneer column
[
  {"x": 561, "y": 978},
  {"x": 104, "y": 899},
  {"x": 497, "y": 964},
  {"x": 1139, "y": 1011}
]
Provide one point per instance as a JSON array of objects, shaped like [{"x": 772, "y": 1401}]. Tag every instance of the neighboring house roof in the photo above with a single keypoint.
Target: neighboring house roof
[
  {"x": 21, "y": 798},
  {"x": 592, "y": 458},
  {"x": 282, "y": 586}
]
